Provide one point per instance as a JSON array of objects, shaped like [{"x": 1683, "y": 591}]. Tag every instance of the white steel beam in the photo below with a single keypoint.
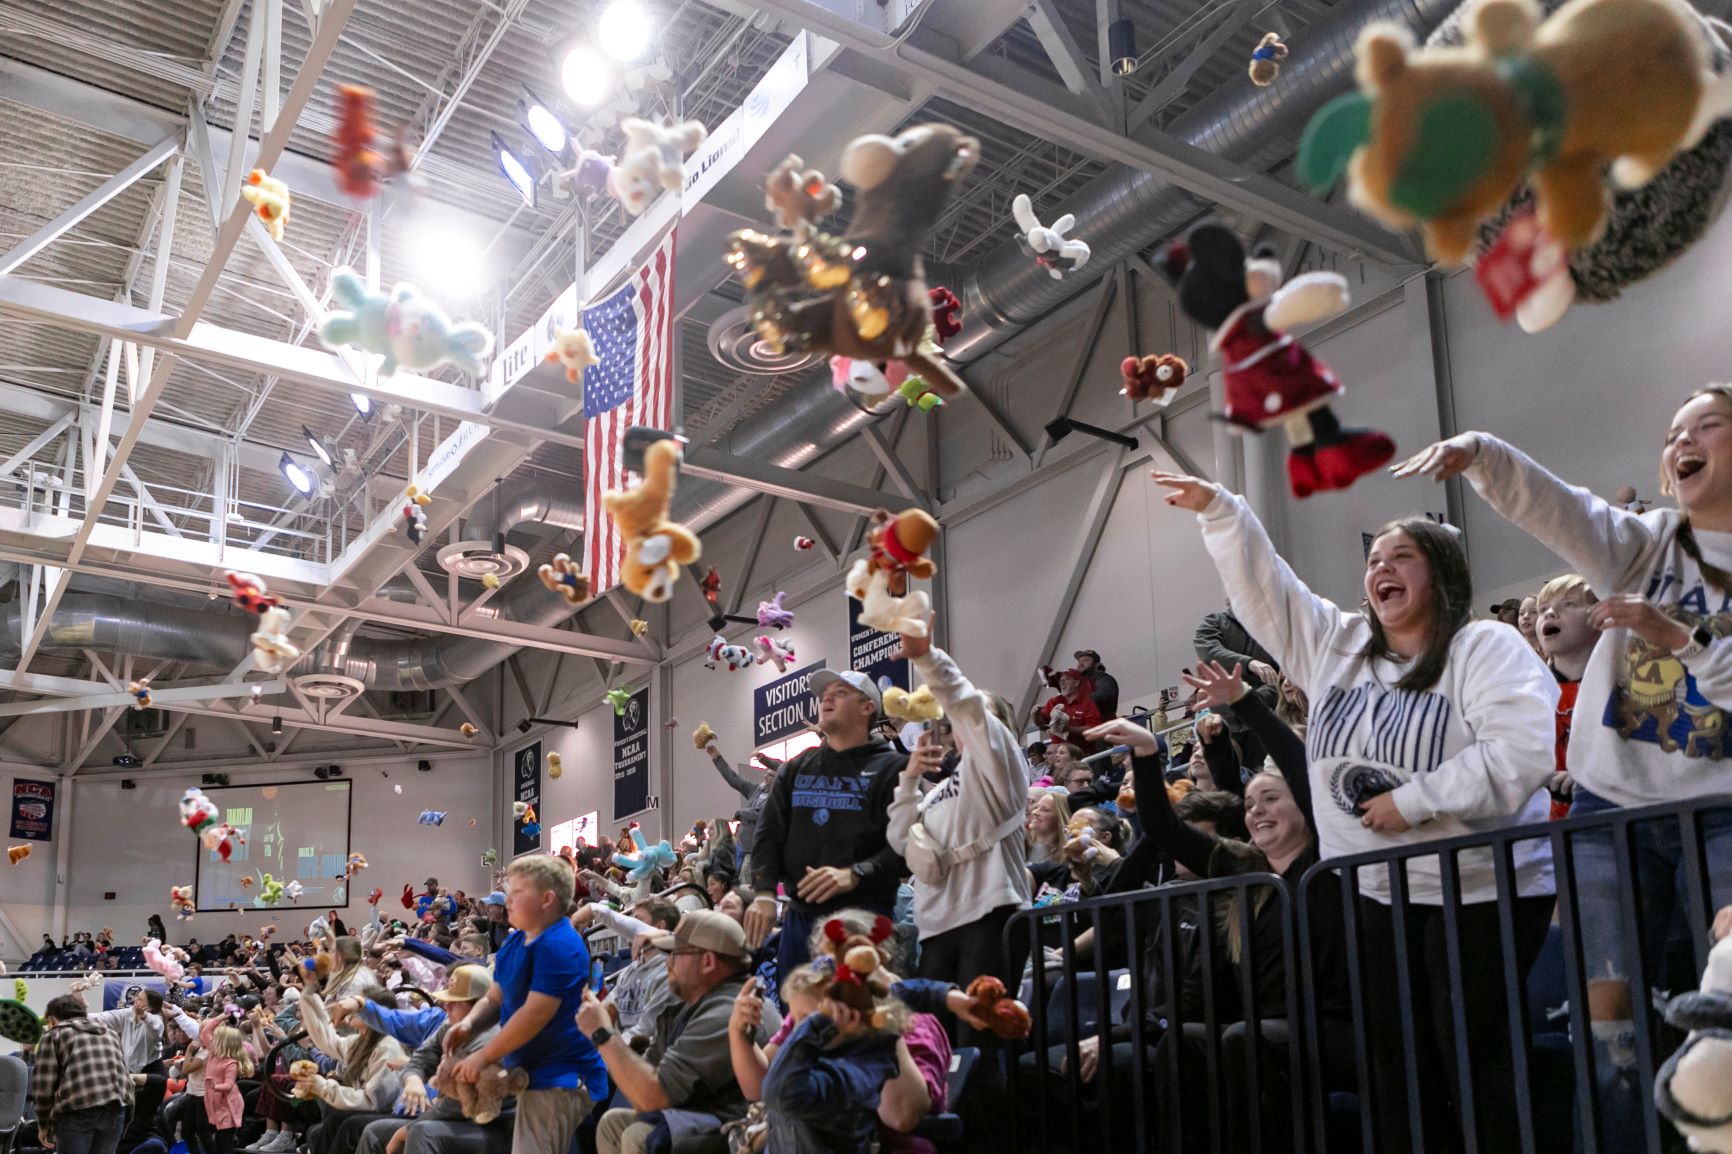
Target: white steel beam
[
  {"x": 36, "y": 444},
  {"x": 1064, "y": 52},
  {"x": 101, "y": 195},
  {"x": 795, "y": 484},
  {"x": 1179, "y": 76}
]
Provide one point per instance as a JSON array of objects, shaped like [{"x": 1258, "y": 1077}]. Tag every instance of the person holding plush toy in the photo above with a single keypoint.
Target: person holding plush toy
[{"x": 365, "y": 1083}]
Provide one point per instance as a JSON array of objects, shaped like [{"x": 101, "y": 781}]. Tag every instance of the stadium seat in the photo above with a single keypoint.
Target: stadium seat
[{"x": 945, "y": 1130}]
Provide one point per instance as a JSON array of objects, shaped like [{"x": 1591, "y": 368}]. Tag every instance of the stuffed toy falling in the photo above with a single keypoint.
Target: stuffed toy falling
[
  {"x": 531, "y": 825},
  {"x": 1693, "y": 1090},
  {"x": 916, "y": 393},
  {"x": 468, "y": 731},
  {"x": 1153, "y": 378},
  {"x": 565, "y": 578},
  {"x": 360, "y": 166},
  {"x": 946, "y": 322},
  {"x": 406, "y": 328},
  {"x": 17, "y": 853},
  {"x": 269, "y": 198},
  {"x": 555, "y": 766},
  {"x": 863, "y": 295},
  {"x": 1441, "y": 138},
  {"x": 293, "y": 890},
  {"x": 249, "y": 592},
  {"x": 1266, "y": 59},
  {"x": 711, "y": 586},
  {"x": 164, "y": 961},
  {"x": 803, "y": 544},
  {"x": 772, "y": 615},
  {"x": 270, "y": 891},
  {"x": 655, "y": 547},
  {"x": 1270, "y": 377},
  {"x": 879, "y": 580},
  {"x": 589, "y": 173},
  {"x": 703, "y": 737},
  {"x": 140, "y": 691},
  {"x": 415, "y": 505},
  {"x": 1047, "y": 245},
  {"x": 720, "y": 652},
  {"x": 647, "y": 859},
  {"x": 272, "y": 649},
  {"x": 573, "y": 349},
  {"x": 433, "y": 817},
  {"x": 357, "y": 863},
  {"x": 798, "y": 197},
  {"x": 920, "y": 705},
  {"x": 180, "y": 897},
  {"x": 772, "y": 651},
  {"x": 618, "y": 697},
  {"x": 653, "y": 158},
  {"x": 638, "y": 626}
]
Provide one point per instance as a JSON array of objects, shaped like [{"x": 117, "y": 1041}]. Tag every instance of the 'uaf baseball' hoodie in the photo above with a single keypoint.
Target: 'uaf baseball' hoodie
[{"x": 831, "y": 808}]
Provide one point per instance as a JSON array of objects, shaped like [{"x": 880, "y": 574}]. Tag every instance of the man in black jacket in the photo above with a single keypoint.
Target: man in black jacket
[
  {"x": 1221, "y": 638},
  {"x": 823, "y": 830}
]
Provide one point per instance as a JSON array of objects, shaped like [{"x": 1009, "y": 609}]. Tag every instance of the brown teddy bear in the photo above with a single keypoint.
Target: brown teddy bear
[
  {"x": 1266, "y": 59},
  {"x": 860, "y": 982},
  {"x": 655, "y": 547},
  {"x": 302, "y": 1070},
  {"x": 863, "y": 295},
  {"x": 1005, "y": 1016},
  {"x": 879, "y": 580},
  {"x": 1443, "y": 137},
  {"x": 1153, "y": 377},
  {"x": 799, "y": 197},
  {"x": 481, "y": 1099}
]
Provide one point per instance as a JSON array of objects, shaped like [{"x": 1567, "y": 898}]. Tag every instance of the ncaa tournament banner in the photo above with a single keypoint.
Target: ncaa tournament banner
[
  {"x": 869, "y": 650},
  {"x": 784, "y": 707},
  {"x": 527, "y": 788},
  {"x": 631, "y": 756},
  {"x": 32, "y": 810}
]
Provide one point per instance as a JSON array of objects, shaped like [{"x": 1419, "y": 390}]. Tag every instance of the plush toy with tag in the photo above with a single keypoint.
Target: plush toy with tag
[
  {"x": 920, "y": 705},
  {"x": 272, "y": 649},
  {"x": 1266, "y": 59},
  {"x": 565, "y": 578},
  {"x": 653, "y": 158},
  {"x": 269, "y": 198},
  {"x": 406, "y": 328},
  {"x": 1442, "y": 138},
  {"x": 1270, "y": 377},
  {"x": 879, "y": 580},
  {"x": 1694, "y": 1088},
  {"x": 1048, "y": 245},
  {"x": 655, "y": 547},
  {"x": 573, "y": 349}
]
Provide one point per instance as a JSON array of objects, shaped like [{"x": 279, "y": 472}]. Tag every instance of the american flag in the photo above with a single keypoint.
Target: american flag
[{"x": 631, "y": 384}]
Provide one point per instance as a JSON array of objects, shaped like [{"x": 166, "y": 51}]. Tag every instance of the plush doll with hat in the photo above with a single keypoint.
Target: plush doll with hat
[
  {"x": 654, "y": 158},
  {"x": 1442, "y": 138},
  {"x": 863, "y": 295},
  {"x": 1270, "y": 377},
  {"x": 1047, "y": 244},
  {"x": 404, "y": 327},
  {"x": 1153, "y": 378},
  {"x": 269, "y": 198},
  {"x": 879, "y": 581},
  {"x": 655, "y": 547},
  {"x": 1266, "y": 59},
  {"x": 1694, "y": 1088},
  {"x": 415, "y": 504}
]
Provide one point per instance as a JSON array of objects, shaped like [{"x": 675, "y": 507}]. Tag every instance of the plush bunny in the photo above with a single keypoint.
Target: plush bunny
[
  {"x": 405, "y": 327},
  {"x": 655, "y": 547},
  {"x": 1694, "y": 1088},
  {"x": 1058, "y": 256},
  {"x": 654, "y": 158},
  {"x": 647, "y": 859},
  {"x": 269, "y": 198}
]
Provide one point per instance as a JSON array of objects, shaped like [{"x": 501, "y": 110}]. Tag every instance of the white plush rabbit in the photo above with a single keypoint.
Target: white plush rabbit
[{"x": 1047, "y": 245}]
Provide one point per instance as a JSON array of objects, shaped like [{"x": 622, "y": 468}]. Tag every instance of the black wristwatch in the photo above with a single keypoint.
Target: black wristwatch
[
  {"x": 601, "y": 1037},
  {"x": 1700, "y": 639}
]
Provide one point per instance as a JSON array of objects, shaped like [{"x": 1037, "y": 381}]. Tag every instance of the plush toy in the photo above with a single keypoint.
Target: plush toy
[
  {"x": 863, "y": 295},
  {"x": 803, "y": 544},
  {"x": 860, "y": 982},
  {"x": 293, "y": 890},
  {"x": 357, "y": 863},
  {"x": 945, "y": 307},
  {"x": 269, "y": 198},
  {"x": 1694, "y": 1087},
  {"x": 1626, "y": 499},
  {"x": 375, "y": 896},
  {"x": 303, "y": 1071},
  {"x": 19, "y": 989},
  {"x": 619, "y": 697},
  {"x": 467, "y": 730},
  {"x": 490, "y": 581},
  {"x": 918, "y": 394},
  {"x": 360, "y": 167},
  {"x": 270, "y": 891},
  {"x": 772, "y": 614},
  {"x": 555, "y": 766},
  {"x": 1270, "y": 378},
  {"x": 880, "y": 579},
  {"x": 164, "y": 961},
  {"x": 1005, "y": 1016},
  {"x": 1153, "y": 378},
  {"x": 655, "y": 547},
  {"x": 483, "y": 1099},
  {"x": 565, "y": 578},
  {"x": 90, "y": 980},
  {"x": 589, "y": 173},
  {"x": 1048, "y": 246},
  {"x": 721, "y": 653},
  {"x": 408, "y": 896},
  {"x": 197, "y": 812},
  {"x": 17, "y": 853},
  {"x": 247, "y": 883},
  {"x": 711, "y": 587},
  {"x": 180, "y": 897},
  {"x": 405, "y": 327},
  {"x": 521, "y": 810},
  {"x": 638, "y": 626},
  {"x": 1266, "y": 59},
  {"x": 1082, "y": 847},
  {"x": 248, "y": 591},
  {"x": 432, "y": 817},
  {"x": 489, "y": 857},
  {"x": 140, "y": 691},
  {"x": 573, "y": 349},
  {"x": 1127, "y": 798},
  {"x": 920, "y": 705},
  {"x": 653, "y": 158},
  {"x": 773, "y": 651},
  {"x": 798, "y": 197},
  {"x": 18, "y": 1022},
  {"x": 272, "y": 649},
  {"x": 1442, "y": 138},
  {"x": 414, "y": 517},
  {"x": 703, "y": 737}
]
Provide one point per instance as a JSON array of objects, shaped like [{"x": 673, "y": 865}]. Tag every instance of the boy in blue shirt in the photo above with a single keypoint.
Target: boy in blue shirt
[{"x": 538, "y": 982}]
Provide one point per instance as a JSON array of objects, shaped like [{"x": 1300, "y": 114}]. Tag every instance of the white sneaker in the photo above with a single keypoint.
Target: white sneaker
[
  {"x": 284, "y": 1143},
  {"x": 265, "y": 1142}
]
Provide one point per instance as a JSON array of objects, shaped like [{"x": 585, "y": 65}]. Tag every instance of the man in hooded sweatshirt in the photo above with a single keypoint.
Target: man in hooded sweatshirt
[{"x": 823, "y": 833}]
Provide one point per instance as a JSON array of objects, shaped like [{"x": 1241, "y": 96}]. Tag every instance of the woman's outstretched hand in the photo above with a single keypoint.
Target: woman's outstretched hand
[
  {"x": 1441, "y": 461},
  {"x": 1186, "y": 492},
  {"x": 1218, "y": 687}
]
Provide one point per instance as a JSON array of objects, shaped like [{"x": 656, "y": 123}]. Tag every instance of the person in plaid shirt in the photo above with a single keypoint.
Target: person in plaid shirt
[{"x": 81, "y": 1084}]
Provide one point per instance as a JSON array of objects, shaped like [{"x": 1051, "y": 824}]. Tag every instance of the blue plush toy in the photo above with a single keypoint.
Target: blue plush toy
[
  {"x": 404, "y": 327},
  {"x": 432, "y": 816},
  {"x": 649, "y": 859}
]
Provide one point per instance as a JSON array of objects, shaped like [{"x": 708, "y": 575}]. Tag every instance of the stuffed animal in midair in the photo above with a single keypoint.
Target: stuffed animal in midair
[
  {"x": 1441, "y": 138},
  {"x": 1153, "y": 378},
  {"x": 360, "y": 165},
  {"x": 573, "y": 349},
  {"x": 293, "y": 890},
  {"x": 468, "y": 731},
  {"x": 180, "y": 897},
  {"x": 555, "y": 766},
  {"x": 415, "y": 504},
  {"x": 1005, "y": 1016},
  {"x": 619, "y": 697},
  {"x": 489, "y": 857},
  {"x": 272, "y": 649},
  {"x": 408, "y": 896},
  {"x": 1694, "y": 1088},
  {"x": 772, "y": 651},
  {"x": 720, "y": 652},
  {"x": 140, "y": 691},
  {"x": 1270, "y": 377},
  {"x": 879, "y": 580},
  {"x": 248, "y": 591},
  {"x": 432, "y": 817},
  {"x": 17, "y": 853},
  {"x": 917, "y": 393},
  {"x": 798, "y": 197},
  {"x": 863, "y": 295},
  {"x": 590, "y": 172},
  {"x": 945, "y": 307},
  {"x": 1266, "y": 59},
  {"x": 711, "y": 587},
  {"x": 703, "y": 737},
  {"x": 638, "y": 626},
  {"x": 269, "y": 198},
  {"x": 521, "y": 810},
  {"x": 860, "y": 981},
  {"x": 406, "y": 328},
  {"x": 654, "y": 158},
  {"x": 920, "y": 705},
  {"x": 164, "y": 961},
  {"x": 803, "y": 544},
  {"x": 18, "y": 1022},
  {"x": 647, "y": 859},
  {"x": 483, "y": 1099},
  {"x": 270, "y": 891},
  {"x": 531, "y": 825},
  {"x": 772, "y": 614},
  {"x": 565, "y": 578},
  {"x": 655, "y": 547},
  {"x": 357, "y": 863},
  {"x": 1049, "y": 247}
]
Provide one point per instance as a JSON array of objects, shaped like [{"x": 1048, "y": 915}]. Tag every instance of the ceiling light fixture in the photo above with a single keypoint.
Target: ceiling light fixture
[
  {"x": 277, "y": 725},
  {"x": 542, "y": 123},
  {"x": 319, "y": 449},
  {"x": 516, "y": 169},
  {"x": 1122, "y": 47},
  {"x": 625, "y": 30},
  {"x": 299, "y": 478},
  {"x": 586, "y": 76},
  {"x": 363, "y": 405},
  {"x": 451, "y": 261}
]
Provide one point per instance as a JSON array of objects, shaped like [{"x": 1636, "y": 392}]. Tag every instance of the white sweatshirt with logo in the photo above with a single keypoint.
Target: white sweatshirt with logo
[
  {"x": 1469, "y": 755},
  {"x": 1648, "y": 727}
]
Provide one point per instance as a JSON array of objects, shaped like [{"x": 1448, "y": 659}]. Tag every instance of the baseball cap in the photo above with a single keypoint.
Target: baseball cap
[
  {"x": 851, "y": 678},
  {"x": 1507, "y": 603},
  {"x": 709, "y": 930},
  {"x": 432, "y": 883},
  {"x": 493, "y": 899},
  {"x": 468, "y": 983},
  {"x": 1086, "y": 653}
]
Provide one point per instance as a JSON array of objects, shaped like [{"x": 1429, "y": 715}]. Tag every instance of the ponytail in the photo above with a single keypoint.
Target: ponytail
[{"x": 1712, "y": 575}]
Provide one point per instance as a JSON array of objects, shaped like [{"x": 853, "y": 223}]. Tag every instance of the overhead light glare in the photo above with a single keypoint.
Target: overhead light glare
[
  {"x": 625, "y": 30},
  {"x": 586, "y": 76},
  {"x": 299, "y": 478},
  {"x": 450, "y": 261},
  {"x": 543, "y": 124},
  {"x": 319, "y": 449},
  {"x": 515, "y": 168},
  {"x": 363, "y": 405}
]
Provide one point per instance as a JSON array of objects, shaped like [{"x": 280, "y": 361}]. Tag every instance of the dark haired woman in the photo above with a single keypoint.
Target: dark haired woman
[{"x": 1424, "y": 725}]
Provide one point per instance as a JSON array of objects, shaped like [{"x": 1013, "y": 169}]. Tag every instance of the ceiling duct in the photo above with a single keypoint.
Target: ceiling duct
[{"x": 734, "y": 341}]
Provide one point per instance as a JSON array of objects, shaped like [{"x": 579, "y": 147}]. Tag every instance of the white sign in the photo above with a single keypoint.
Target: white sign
[{"x": 736, "y": 135}]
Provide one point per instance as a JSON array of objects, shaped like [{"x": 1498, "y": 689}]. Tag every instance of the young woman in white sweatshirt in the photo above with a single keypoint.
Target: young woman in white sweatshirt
[
  {"x": 967, "y": 890},
  {"x": 1424, "y": 725}
]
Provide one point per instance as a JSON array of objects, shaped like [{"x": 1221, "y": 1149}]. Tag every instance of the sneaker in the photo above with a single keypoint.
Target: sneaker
[{"x": 285, "y": 1142}]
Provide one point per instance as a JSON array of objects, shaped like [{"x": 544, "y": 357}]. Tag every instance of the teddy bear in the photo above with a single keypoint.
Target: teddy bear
[
  {"x": 863, "y": 295},
  {"x": 1005, "y": 1016},
  {"x": 1694, "y": 1088},
  {"x": 653, "y": 158},
  {"x": 1154, "y": 377},
  {"x": 573, "y": 349},
  {"x": 773, "y": 651},
  {"x": 481, "y": 1099},
  {"x": 404, "y": 327},
  {"x": 1441, "y": 138},
  {"x": 359, "y": 165},
  {"x": 180, "y": 897},
  {"x": 946, "y": 322},
  {"x": 303, "y": 1071},
  {"x": 798, "y": 197},
  {"x": 1270, "y": 377},
  {"x": 1058, "y": 256},
  {"x": 1266, "y": 59},
  {"x": 140, "y": 691},
  {"x": 655, "y": 547},
  {"x": 879, "y": 580},
  {"x": 772, "y": 614},
  {"x": 920, "y": 705},
  {"x": 17, "y": 853},
  {"x": 555, "y": 766},
  {"x": 269, "y": 198},
  {"x": 468, "y": 731},
  {"x": 703, "y": 736},
  {"x": 272, "y": 649},
  {"x": 565, "y": 578},
  {"x": 720, "y": 652}
]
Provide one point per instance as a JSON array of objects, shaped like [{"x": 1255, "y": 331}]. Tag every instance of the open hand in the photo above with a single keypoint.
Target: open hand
[
  {"x": 1119, "y": 731},
  {"x": 414, "y": 1097},
  {"x": 1442, "y": 460},
  {"x": 760, "y": 920},
  {"x": 1634, "y": 612},
  {"x": 1187, "y": 492},
  {"x": 1217, "y": 686}
]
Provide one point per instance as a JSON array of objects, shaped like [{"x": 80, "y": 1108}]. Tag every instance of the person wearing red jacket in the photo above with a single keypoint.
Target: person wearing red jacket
[{"x": 1071, "y": 711}]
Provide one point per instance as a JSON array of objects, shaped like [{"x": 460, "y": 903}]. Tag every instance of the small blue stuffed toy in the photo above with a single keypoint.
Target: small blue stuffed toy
[
  {"x": 404, "y": 327},
  {"x": 649, "y": 859}
]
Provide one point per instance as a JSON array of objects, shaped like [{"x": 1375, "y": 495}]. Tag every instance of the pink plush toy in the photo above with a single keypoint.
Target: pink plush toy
[
  {"x": 771, "y": 650},
  {"x": 163, "y": 960}
]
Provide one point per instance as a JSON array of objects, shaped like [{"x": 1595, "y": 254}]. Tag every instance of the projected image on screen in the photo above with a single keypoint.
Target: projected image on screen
[{"x": 297, "y": 832}]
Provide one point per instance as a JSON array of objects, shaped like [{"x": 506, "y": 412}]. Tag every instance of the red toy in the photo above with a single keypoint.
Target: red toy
[
  {"x": 249, "y": 592},
  {"x": 1524, "y": 275},
  {"x": 1152, "y": 378},
  {"x": 373, "y": 898},
  {"x": 408, "y": 896},
  {"x": 712, "y": 587},
  {"x": 359, "y": 165},
  {"x": 803, "y": 543},
  {"x": 945, "y": 308},
  {"x": 1005, "y": 1016}
]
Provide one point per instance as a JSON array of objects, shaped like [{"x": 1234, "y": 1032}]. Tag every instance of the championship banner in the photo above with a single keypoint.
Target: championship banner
[
  {"x": 527, "y": 788},
  {"x": 869, "y": 650},
  {"x": 631, "y": 756},
  {"x": 32, "y": 810}
]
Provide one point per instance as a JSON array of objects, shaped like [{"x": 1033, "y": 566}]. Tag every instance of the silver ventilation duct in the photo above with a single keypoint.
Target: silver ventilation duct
[{"x": 535, "y": 502}]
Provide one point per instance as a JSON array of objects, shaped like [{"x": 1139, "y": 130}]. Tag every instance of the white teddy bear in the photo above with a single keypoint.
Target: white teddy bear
[
  {"x": 1694, "y": 1087},
  {"x": 653, "y": 158}
]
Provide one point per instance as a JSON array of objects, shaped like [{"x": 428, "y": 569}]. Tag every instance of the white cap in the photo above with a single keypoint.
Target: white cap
[{"x": 851, "y": 678}]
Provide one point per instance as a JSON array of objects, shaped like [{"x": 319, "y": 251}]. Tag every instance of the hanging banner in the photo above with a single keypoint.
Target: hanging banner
[
  {"x": 117, "y": 992},
  {"x": 32, "y": 810},
  {"x": 784, "y": 707},
  {"x": 869, "y": 650},
  {"x": 724, "y": 148},
  {"x": 631, "y": 756},
  {"x": 527, "y": 789}
]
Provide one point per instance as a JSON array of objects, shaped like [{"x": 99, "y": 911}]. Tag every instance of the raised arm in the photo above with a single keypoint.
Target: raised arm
[
  {"x": 733, "y": 777},
  {"x": 1285, "y": 746},
  {"x": 993, "y": 769}
]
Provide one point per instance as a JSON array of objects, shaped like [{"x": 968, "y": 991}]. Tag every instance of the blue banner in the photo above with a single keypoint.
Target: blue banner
[
  {"x": 631, "y": 756},
  {"x": 784, "y": 707},
  {"x": 869, "y": 650},
  {"x": 32, "y": 810},
  {"x": 118, "y": 992},
  {"x": 527, "y": 788}
]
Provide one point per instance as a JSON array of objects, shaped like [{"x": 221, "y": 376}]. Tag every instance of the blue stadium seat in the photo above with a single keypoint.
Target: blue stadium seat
[{"x": 945, "y": 1130}]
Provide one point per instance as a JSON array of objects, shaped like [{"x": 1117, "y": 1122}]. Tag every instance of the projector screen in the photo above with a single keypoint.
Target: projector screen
[{"x": 294, "y": 832}]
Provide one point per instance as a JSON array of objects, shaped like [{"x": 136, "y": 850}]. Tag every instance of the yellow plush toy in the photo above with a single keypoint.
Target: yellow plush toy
[
  {"x": 703, "y": 736},
  {"x": 573, "y": 349},
  {"x": 655, "y": 547},
  {"x": 917, "y": 706},
  {"x": 1442, "y": 137},
  {"x": 270, "y": 198}
]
